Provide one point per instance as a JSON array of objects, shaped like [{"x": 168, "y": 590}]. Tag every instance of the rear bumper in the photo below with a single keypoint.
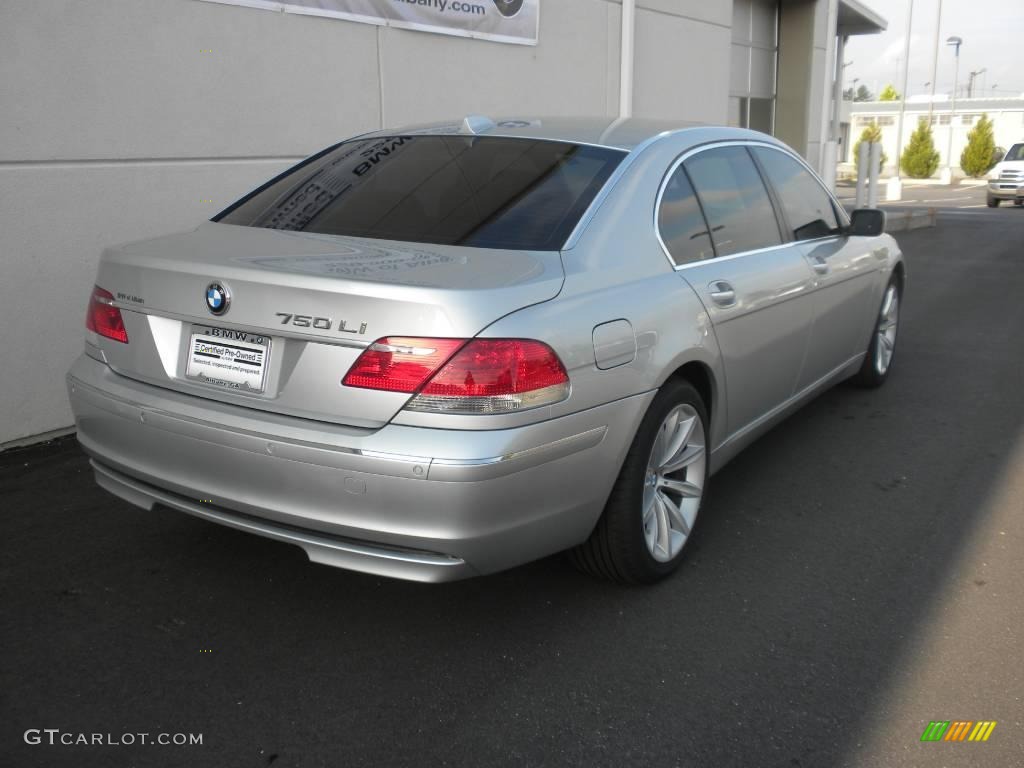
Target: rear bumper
[{"x": 407, "y": 502}]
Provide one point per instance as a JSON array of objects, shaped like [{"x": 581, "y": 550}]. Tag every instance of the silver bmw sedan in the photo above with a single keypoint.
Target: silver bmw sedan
[{"x": 446, "y": 350}]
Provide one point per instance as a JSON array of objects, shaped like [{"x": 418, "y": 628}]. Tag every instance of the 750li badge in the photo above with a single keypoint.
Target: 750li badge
[{"x": 320, "y": 323}]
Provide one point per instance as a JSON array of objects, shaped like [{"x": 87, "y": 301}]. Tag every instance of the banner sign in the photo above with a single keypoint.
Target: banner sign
[{"x": 503, "y": 21}]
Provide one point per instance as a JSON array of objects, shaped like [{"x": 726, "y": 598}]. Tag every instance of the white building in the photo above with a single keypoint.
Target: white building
[
  {"x": 127, "y": 119},
  {"x": 1007, "y": 115}
]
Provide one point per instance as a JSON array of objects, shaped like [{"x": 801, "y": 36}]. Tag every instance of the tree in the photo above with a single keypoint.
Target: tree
[
  {"x": 863, "y": 94},
  {"x": 920, "y": 159},
  {"x": 889, "y": 93},
  {"x": 873, "y": 135},
  {"x": 976, "y": 159},
  {"x": 848, "y": 94}
]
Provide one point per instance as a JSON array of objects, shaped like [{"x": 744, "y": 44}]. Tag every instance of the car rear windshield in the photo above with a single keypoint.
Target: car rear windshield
[{"x": 488, "y": 192}]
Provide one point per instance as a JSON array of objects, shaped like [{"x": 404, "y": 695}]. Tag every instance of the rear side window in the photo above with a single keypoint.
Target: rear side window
[
  {"x": 807, "y": 205},
  {"x": 681, "y": 223},
  {"x": 734, "y": 199},
  {"x": 488, "y": 192}
]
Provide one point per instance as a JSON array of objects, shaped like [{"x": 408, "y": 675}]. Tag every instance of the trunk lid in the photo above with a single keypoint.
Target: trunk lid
[{"x": 312, "y": 302}]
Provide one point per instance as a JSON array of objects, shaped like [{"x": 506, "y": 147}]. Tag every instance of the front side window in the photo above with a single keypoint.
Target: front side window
[
  {"x": 681, "y": 223},
  {"x": 734, "y": 199},
  {"x": 807, "y": 206},
  {"x": 488, "y": 192}
]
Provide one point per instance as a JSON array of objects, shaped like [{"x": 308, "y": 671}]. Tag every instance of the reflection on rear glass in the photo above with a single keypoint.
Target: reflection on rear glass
[{"x": 488, "y": 192}]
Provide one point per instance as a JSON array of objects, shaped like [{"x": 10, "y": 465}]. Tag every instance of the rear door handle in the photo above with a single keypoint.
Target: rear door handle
[{"x": 722, "y": 293}]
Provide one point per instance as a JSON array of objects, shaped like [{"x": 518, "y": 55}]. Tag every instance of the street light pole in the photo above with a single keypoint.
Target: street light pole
[
  {"x": 970, "y": 83},
  {"x": 894, "y": 190},
  {"x": 956, "y": 42},
  {"x": 935, "y": 62},
  {"x": 838, "y": 95}
]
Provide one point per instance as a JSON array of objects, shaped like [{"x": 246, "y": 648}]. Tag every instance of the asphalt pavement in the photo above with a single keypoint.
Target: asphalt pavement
[{"x": 854, "y": 575}]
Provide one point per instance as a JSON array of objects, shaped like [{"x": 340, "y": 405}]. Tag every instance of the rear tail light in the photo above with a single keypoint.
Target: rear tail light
[
  {"x": 400, "y": 364},
  {"x": 457, "y": 376},
  {"x": 495, "y": 376},
  {"x": 103, "y": 317}
]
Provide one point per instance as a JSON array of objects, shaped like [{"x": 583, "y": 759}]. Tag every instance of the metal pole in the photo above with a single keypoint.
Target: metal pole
[
  {"x": 830, "y": 148},
  {"x": 876, "y": 160},
  {"x": 935, "y": 62},
  {"x": 970, "y": 83},
  {"x": 903, "y": 96},
  {"x": 626, "y": 62},
  {"x": 863, "y": 158},
  {"x": 956, "y": 82},
  {"x": 837, "y": 91}
]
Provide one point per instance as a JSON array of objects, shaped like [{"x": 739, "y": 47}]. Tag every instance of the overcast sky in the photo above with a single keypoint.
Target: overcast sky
[{"x": 993, "y": 35}]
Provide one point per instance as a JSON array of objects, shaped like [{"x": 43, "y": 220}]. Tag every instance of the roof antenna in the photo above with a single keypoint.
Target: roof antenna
[{"x": 476, "y": 124}]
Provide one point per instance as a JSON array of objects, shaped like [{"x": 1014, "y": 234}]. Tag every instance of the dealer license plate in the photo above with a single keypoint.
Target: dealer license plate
[{"x": 233, "y": 359}]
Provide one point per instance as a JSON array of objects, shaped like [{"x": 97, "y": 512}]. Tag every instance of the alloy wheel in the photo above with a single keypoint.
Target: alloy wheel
[
  {"x": 674, "y": 483},
  {"x": 888, "y": 320}
]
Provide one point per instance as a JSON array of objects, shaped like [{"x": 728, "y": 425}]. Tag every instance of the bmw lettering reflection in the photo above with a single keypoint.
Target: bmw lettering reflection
[{"x": 468, "y": 345}]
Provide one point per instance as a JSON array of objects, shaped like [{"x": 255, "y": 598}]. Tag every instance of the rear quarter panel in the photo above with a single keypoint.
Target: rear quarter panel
[
  {"x": 615, "y": 268},
  {"x": 618, "y": 270}
]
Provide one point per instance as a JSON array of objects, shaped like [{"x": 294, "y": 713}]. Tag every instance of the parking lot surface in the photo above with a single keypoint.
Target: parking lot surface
[
  {"x": 855, "y": 574},
  {"x": 957, "y": 200}
]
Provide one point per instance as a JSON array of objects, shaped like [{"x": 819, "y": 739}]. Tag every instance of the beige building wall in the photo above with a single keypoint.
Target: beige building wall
[{"x": 806, "y": 62}]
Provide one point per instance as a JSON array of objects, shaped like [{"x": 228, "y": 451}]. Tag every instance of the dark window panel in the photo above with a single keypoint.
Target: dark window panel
[
  {"x": 807, "y": 205},
  {"x": 734, "y": 200},
  {"x": 681, "y": 223},
  {"x": 488, "y": 192}
]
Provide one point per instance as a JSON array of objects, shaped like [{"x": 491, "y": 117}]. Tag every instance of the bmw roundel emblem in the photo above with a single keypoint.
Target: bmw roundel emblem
[
  {"x": 508, "y": 8},
  {"x": 217, "y": 298}
]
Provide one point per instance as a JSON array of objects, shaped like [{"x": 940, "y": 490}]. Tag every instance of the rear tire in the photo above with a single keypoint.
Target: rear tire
[
  {"x": 882, "y": 348},
  {"x": 1018, "y": 203},
  {"x": 647, "y": 521}
]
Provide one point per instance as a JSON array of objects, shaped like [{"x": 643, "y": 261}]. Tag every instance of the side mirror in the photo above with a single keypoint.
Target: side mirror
[{"x": 867, "y": 222}]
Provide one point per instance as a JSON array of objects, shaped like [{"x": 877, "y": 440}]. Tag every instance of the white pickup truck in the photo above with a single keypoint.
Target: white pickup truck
[{"x": 1006, "y": 180}]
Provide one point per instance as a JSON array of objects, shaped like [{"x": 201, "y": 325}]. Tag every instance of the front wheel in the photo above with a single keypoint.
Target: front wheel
[
  {"x": 992, "y": 202},
  {"x": 882, "y": 348},
  {"x": 657, "y": 496}
]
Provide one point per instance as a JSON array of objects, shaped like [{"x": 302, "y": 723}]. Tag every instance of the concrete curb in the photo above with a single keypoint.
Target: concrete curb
[
  {"x": 43, "y": 437},
  {"x": 958, "y": 181},
  {"x": 902, "y": 221},
  {"x": 920, "y": 183}
]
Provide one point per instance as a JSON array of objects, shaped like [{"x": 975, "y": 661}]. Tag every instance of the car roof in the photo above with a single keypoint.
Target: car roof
[{"x": 617, "y": 133}]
